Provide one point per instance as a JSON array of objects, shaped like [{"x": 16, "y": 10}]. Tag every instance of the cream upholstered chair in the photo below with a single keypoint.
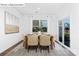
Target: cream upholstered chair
[
  {"x": 32, "y": 41},
  {"x": 45, "y": 41},
  {"x": 52, "y": 42},
  {"x": 25, "y": 42}
]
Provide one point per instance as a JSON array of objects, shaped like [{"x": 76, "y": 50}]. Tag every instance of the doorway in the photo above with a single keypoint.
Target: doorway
[
  {"x": 64, "y": 31},
  {"x": 60, "y": 31}
]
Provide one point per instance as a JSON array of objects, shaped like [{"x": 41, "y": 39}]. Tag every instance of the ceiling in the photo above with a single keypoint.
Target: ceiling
[{"x": 41, "y": 8}]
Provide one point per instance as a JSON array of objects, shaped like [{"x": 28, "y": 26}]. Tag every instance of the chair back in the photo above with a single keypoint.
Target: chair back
[
  {"x": 32, "y": 40},
  {"x": 45, "y": 40}
]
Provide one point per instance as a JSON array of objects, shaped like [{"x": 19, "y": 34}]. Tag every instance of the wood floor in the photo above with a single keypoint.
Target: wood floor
[{"x": 57, "y": 51}]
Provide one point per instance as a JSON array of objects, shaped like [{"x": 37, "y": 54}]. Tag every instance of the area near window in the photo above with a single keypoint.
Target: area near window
[{"x": 39, "y": 25}]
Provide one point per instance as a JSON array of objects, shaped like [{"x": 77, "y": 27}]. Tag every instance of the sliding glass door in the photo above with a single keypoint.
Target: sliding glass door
[
  {"x": 67, "y": 32},
  {"x": 64, "y": 31},
  {"x": 60, "y": 31}
]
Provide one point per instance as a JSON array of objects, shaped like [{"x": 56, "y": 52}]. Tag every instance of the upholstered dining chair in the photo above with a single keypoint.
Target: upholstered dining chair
[
  {"x": 44, "y": 42},
  {"x": 32, "y": 41},
  {"x": 25, "y": 42},
  {"x": 52, "y": 42}
]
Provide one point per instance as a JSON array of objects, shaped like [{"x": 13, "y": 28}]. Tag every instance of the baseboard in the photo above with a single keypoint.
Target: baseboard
[
  {"x": 66, "y": 48},
  {"x": 9, "y": 49}
]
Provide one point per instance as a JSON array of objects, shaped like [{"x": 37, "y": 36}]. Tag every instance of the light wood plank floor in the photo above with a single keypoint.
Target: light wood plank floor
[{"x": 57, "y": 51}]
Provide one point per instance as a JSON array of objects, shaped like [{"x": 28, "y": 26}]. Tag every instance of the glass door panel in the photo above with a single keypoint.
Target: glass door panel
[
  {"x": 67, "y": 32},
  {"x": 60, "y": 31}
]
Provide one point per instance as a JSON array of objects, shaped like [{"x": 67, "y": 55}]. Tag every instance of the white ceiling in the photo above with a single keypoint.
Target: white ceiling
[{"x": 41, "y": 8}]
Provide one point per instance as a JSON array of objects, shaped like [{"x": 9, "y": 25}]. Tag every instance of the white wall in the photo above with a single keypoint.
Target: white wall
[
  {"x": 25, "y": 25},
  {"x": 8, "y": 40},
  {"x": 75, "y": 28},
  {"x": 1, "y": 22}
]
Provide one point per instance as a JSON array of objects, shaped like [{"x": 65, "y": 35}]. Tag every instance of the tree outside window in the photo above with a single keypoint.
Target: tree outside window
[{"x": 39, "y": 25}]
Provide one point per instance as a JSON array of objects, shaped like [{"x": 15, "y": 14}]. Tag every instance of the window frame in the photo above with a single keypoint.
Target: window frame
[{"x": 39, "y": 26}]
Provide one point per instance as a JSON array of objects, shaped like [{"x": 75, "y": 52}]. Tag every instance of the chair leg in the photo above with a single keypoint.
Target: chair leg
[
  {"x": 36, "y": 48},
  {"x": 54, "y": 45},
  {"x": 28, "y": 48},
  {"x": 40, "y": 49},
  {"x": 48, "y": 49},
  {"x": 51, "y": 46}
]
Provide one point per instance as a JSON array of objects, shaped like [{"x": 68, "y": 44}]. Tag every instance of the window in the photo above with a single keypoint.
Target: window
[
  {"x": 43, "y": 25},
  {"x": 39, "y": 25},
  {"x": 35, "y": 26}
]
